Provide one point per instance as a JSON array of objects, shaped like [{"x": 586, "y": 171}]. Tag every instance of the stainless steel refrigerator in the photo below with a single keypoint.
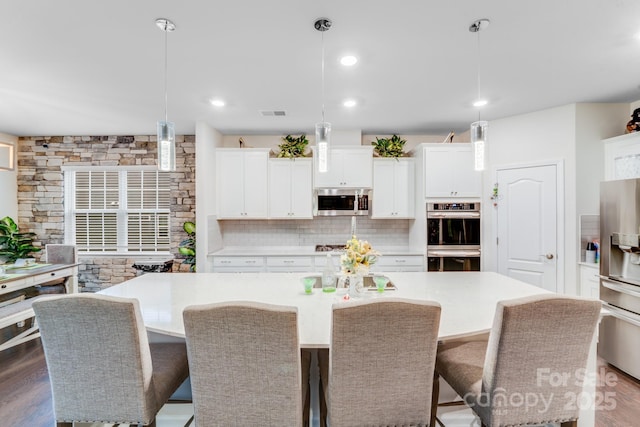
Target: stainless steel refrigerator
[{"x": 619, "y": 340}]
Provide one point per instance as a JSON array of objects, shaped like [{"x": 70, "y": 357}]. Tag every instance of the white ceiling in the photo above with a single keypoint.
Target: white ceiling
[{"x": 77, "y": 67}]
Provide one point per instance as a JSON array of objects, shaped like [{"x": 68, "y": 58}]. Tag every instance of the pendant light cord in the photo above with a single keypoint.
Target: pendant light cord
[
  {"x": 478, "y": 64},
  {"x": 322, "y": 71},
  {"x": 166, "y": 36}
]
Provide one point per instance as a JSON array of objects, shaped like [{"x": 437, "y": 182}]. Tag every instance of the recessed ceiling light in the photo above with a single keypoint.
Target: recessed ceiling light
[
  {"x": 480, "y": 103},
  {"x": 348, "y": 60},
  {"x": 349, "y": 103},
  {"x": 217, "y": 102}
]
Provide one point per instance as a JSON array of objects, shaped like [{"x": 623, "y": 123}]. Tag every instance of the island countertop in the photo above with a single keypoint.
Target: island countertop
[{"x": 468, "y": 299}]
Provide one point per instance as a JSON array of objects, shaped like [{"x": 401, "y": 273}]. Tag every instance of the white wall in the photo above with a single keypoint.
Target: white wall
[
  {"x": 572, "y": 134},
  {"x": 539, "y": 137},
  {"x": 338, "y": 137},
  {"x": 208, "y": 236},
  {"x": 9, "y": 184},
  {"x": 594, "y": 122}
]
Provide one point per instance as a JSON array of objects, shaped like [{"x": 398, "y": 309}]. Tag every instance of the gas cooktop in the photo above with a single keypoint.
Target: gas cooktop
[{"x": 329, "y": 248}]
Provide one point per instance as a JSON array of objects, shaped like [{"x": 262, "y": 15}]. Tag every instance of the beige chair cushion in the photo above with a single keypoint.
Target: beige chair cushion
[
  {"x": 381, "y": 363},
  {"x": 511, "y": 380},
  {"x": 245, "y": 364}
]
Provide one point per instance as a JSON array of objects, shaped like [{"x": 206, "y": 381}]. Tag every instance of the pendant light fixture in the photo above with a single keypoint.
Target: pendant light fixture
[
  {"x": 479, "y": 128},
  {"x": 166, "y": 129},
  {"x": 323, "y": 129}
]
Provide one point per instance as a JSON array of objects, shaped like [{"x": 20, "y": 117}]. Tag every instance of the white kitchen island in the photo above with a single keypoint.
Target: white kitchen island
[{"x": 468, "y": 301}]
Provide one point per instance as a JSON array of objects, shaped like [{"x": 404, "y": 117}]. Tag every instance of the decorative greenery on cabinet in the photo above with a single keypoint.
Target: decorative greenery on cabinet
[
  {"x": 389, "y": 147},
  {"x": 293, "y": 147}
]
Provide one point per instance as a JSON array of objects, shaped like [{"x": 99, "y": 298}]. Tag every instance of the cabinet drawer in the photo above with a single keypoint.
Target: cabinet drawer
[
  {"x": 53, "y": 275},
  {"x": 280, "y": 261},
  {"x": 400, "y": 261},
  {"x": 238, "y": 261},
  {"x": 15, "y": 285}
]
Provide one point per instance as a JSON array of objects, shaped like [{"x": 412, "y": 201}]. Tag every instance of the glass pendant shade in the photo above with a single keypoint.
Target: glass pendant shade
[
  {"x": 166, "y": 146},
  {"x": 479, "y": 139},
  {"x": 323, "y": 135}
]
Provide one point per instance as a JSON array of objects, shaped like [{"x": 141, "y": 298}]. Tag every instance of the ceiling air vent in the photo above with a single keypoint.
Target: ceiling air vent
[{"x": 270, "y": 113}]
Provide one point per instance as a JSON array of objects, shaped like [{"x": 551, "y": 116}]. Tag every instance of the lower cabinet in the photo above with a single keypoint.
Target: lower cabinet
[
  {"x": 284, "y": 264},
  {"x": 237, "y": 264},
  {"x": 590, "y": 280},
  {"x": 399, "y": 263},
  {"x": 312, "y": 263}
]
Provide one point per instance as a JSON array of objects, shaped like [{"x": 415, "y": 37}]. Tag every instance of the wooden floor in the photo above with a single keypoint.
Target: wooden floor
[{"x": 25, "y": 397}]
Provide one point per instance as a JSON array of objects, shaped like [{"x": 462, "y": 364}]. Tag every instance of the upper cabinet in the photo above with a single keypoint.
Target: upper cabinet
[
  {"x": 241, "y": 182},
  {"x": 393, "y": 188},
  {"x": 622, "y": 157},
  {"x": 290, "y": 188},
  {"x": 349, "y": 167},
  {"x": 449, "y": 171}
]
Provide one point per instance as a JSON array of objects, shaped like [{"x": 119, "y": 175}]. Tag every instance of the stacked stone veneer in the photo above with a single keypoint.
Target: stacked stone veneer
[{"x": 41, "y": 192}]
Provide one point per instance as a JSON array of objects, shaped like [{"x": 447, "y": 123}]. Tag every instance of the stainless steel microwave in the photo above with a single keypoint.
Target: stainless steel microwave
[{"x": 334, "y": 202}]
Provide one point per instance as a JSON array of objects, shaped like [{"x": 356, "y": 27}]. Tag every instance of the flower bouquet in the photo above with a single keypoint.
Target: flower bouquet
[{"x": 355, "y": 262}]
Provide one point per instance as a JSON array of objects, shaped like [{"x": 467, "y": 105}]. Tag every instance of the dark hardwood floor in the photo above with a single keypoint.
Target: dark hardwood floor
[{"x": 25, "y": 396}]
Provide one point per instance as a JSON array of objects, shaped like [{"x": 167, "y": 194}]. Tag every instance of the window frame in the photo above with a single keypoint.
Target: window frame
[{"x": 69, "y": 182}]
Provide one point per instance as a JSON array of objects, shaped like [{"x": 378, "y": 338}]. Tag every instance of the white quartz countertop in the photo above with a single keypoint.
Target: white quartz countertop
[
  {"x": 301, "y": 251},
  {"x": 468, "y": 299}
]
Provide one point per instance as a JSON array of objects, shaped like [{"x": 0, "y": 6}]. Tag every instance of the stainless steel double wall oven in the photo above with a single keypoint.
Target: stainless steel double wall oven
[{"x": 453, "y": 236}]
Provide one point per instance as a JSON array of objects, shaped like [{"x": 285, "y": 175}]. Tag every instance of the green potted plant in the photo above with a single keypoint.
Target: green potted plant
[
  {"x": 389, "y": 147},
  {"x": 188, "y": 246},
  {"x": 13, "y": 243},
  {"x": 293, "y": 147}
]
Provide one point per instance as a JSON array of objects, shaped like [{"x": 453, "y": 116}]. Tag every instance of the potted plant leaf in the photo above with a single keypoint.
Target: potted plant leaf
[
  {"x": 13, "y": 243},
  {"x": 389, "y": 147},
  {"x": 293, "y": 147},
  {"x": 188, "y": 246}
]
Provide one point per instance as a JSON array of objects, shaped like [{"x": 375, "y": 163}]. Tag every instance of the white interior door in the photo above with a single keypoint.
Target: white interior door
[{"x": 527, "y": 225}]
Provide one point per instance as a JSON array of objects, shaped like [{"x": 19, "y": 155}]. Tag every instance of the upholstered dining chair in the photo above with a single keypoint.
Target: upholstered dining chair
[
  {"x": 532, "y": 365},
  {"x": 244, "y": 359},
  {"x": 61, "y": 254},
  {"x": 381, "y": 363},
  {"x": 101, "y": 365}
]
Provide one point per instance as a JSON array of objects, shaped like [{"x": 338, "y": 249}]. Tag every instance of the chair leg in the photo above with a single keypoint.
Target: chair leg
[
  {"x": 435, "y": 394},
  {"x": 569, "y": 424}
]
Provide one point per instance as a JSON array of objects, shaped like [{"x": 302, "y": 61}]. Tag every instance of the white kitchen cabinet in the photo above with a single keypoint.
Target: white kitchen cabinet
[
  {"x": 289, "y": 264},
  {"x": 393, "y": 188},
  {"x": 590, "y": 280},
  {"x": 622, "y": 157},
  {"x": 449, "y": 171},
  {"x": 290, "y": 188},
  {"x": 238, "y": 264},
  {"x": 349, "y": 167},
  {"x": 398, "y": 263},
  {"x": 241, "y": 183}
]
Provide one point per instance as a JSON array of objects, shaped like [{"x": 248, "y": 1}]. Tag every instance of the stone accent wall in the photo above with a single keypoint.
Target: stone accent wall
[{"x": 41, "y": 192}]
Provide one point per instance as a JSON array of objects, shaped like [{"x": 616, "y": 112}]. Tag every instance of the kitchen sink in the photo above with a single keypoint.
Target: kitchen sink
[{"x": 367, "y": 281}]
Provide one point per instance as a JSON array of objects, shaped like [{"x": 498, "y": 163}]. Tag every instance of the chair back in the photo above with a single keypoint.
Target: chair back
[
  {"x": 244, "y": 360},
  {"x": 98, "y": 358},
  {"x": 61, "y": 254},
  {"x": 536, "y": 359},
  {"x": 382, "y": 360}
]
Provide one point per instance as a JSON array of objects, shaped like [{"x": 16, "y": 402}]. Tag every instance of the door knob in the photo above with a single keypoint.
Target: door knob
[{"x": 547, "y": 256}]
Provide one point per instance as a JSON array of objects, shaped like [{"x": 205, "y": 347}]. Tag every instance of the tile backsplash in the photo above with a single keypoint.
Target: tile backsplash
[
  {"x": 320, "y": 230},
  {"x": 589, "y": 231}
]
